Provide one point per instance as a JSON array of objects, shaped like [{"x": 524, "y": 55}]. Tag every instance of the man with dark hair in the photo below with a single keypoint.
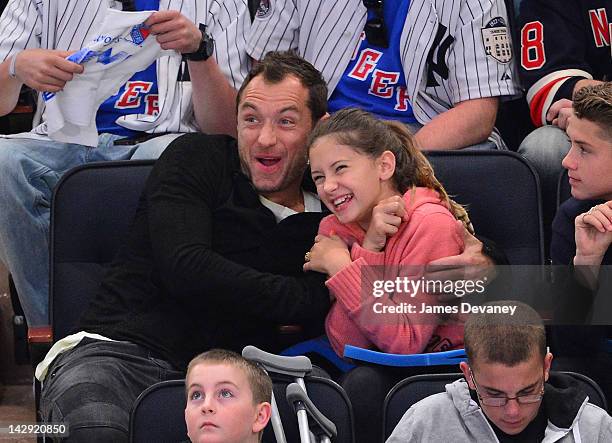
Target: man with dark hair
[
  {"x": 508, "y": 393},
  {"x": 214, "y": 259},
  {"x": 278, "y": 65}
]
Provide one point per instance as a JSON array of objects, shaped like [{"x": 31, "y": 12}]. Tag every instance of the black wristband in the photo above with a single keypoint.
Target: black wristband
[{"x": 206, "y": 48}]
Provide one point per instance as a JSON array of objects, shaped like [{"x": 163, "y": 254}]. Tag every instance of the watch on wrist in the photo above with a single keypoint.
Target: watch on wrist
[{"x": 206, "y": 48}]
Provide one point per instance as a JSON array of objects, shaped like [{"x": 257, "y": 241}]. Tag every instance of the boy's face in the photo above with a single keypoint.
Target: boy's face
[
  {"x": 589, "y": 160},
  {"x": 220, "y": 406},
  {"x": 499, "y": 380}
]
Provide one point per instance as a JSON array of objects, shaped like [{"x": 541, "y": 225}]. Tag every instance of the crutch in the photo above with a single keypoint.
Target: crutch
[
  {"x": 324, "y": 429},
  {"x": 296, "y": 367}
]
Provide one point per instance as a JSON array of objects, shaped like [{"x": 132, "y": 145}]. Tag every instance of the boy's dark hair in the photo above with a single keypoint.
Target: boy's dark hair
[
  {"x": 504, "y": 338},
  {"x": 259, "y": 382},
  {"x": 278, "y": 65},
  {"x": 594, "y": 103}
]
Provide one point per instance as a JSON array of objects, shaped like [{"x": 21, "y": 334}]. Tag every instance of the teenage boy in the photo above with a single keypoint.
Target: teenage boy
[
  {"x": 581, "y": 237},
  {"x": 582, "y": 229},
  {"x": 508, "y": 393}
]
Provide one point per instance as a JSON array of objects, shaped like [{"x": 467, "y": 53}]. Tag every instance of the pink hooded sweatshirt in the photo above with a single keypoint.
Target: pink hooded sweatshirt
[{"x": 429, "y": 231}]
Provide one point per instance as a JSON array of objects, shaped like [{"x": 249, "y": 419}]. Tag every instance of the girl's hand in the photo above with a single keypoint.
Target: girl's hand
[
  {"x": 593, "y": 234},
  {"x": 328, "y": 255},
  {"x": 387, "y": 216}
]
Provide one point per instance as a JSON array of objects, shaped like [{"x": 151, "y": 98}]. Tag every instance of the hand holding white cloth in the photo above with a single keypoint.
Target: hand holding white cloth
[{"x": 121, "y": 47}]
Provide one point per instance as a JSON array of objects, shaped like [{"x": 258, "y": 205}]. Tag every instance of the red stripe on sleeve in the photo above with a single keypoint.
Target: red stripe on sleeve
[{"x": 538, "y": 101}]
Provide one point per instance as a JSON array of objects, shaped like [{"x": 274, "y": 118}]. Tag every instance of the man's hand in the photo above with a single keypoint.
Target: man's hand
[
  {"x": 593, "y": 234},
  {"x": 328, "y": 255},
  {"x": 387, "y": 216},
  {"x": 45, "y": 69},
  {"x": 174, "y": 31},
  {"x": 560, "y": 112},
  {"x": 471, "y": 264}
]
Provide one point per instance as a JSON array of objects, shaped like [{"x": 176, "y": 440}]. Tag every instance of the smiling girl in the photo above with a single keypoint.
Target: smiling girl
[{"x": 390, "y": 217}]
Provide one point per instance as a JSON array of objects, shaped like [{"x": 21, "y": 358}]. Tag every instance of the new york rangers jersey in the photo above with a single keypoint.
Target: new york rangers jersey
[{"x": 562, "y": 42}]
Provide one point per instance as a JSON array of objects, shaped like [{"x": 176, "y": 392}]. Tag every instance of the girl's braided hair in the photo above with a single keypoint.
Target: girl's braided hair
[{"x": 362, "y": 131}]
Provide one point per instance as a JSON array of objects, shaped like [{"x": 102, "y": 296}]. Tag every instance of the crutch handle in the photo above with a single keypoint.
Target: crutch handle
[
  {"x": 296, "y": 367},
  {"x": 296, "y": 394}
]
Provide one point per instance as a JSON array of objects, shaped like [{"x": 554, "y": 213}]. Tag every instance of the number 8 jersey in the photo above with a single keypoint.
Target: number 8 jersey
[{"x": 561, "y": 43}]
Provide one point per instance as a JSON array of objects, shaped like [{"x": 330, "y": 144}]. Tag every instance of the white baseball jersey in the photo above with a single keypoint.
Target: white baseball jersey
[
  {"x": 69, "y": 24},
  {"x": 451, "y": 50}
]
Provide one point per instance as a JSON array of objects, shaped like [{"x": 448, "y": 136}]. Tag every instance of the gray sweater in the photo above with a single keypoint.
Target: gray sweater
[{"x": 454, "y": 416}]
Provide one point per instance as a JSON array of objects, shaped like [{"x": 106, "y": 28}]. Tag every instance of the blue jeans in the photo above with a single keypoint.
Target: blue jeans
[
  {"x": 545, "y": 148},
  {"x": 29, "y": 171},
  {"x": 92, "y": 388}
]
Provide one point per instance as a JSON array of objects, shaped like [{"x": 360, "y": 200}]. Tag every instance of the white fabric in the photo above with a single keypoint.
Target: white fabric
[
  {"x": 63, "y": 345},
  {"x": 69, "y": 24},
  {"x": 119, "y": 48},
  {"x": 311, "y": 204}
]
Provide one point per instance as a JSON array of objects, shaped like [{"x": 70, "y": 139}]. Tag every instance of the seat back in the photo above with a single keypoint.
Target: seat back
[
  {"x": 92, "y": 208},
  {"x": 409, "y": 391},
  {"x": 414, "y": 389},
  {"x": 158, "y": 413},
  {"x": 590, "y": 388},
  {"x": 501, "y": 191}
]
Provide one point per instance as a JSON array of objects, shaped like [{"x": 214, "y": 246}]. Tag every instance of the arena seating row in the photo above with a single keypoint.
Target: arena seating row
[
  {"x": 93, "y": 205},
  {"x": 158, "y": 412}
]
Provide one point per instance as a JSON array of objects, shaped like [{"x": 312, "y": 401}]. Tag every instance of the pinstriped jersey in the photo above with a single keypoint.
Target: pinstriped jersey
[
  {"x": 451, "y": 50},
  {"x": 562, "y": 42},
  {"x": 69, "y": 24},
  {"x": 380, "y": 67}
]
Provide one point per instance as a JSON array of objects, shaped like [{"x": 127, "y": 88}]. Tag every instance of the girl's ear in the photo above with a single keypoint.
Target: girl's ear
[{"x": 386, "y": 165}]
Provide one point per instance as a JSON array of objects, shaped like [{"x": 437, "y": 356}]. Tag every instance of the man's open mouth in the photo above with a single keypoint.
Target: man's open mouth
[{"x": 268, "y": 161}]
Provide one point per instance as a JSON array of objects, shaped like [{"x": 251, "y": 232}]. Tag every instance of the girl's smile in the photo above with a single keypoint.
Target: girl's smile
[{"x": 349, "y": 182}]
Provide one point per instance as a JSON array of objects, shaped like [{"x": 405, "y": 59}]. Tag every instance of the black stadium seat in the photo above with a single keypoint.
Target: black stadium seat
[
  {"x": 158, "y": 412},
  {"x": 93, "y": 206},
  {"x": 501, "y": 191}
]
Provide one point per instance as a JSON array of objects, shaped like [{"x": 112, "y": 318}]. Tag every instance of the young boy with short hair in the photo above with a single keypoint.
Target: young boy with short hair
[{"x": 228, "y": 398}]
